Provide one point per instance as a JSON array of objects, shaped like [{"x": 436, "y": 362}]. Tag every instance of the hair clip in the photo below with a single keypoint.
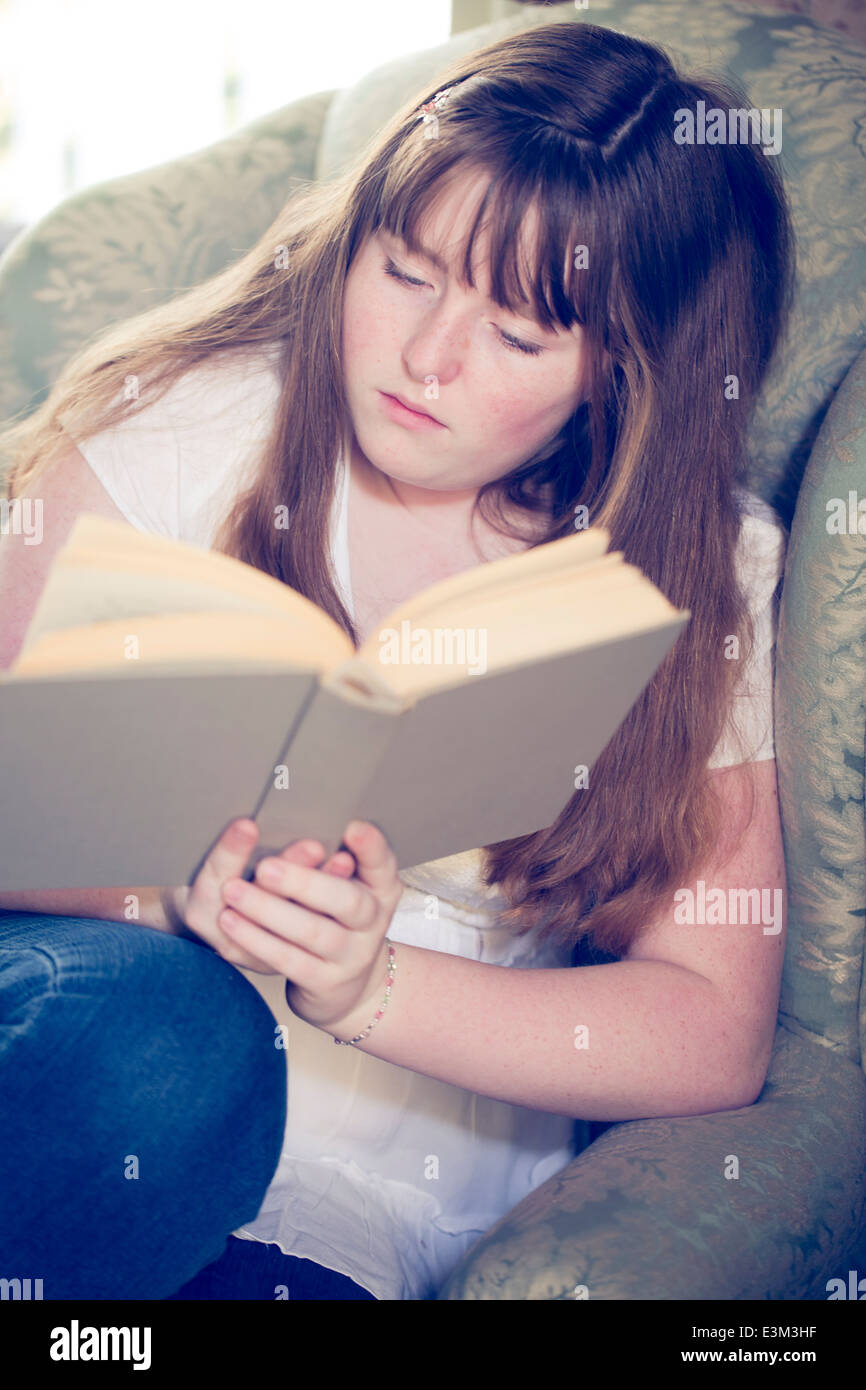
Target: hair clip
[{"x": 430, "y": 108}]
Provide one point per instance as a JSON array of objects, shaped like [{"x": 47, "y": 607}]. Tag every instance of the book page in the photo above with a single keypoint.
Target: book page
[
  {"x": 109, "y": 570},
  {"x": 231, "y": 641}
]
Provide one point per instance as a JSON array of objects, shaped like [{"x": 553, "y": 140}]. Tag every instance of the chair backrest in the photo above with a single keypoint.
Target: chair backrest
[
  {"x": 820, "y": 718},
  {"x": 119, "y": 247}
]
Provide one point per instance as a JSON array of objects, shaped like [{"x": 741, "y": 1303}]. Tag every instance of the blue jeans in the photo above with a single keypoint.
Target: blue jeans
[{"x": 142, "y": 1108}]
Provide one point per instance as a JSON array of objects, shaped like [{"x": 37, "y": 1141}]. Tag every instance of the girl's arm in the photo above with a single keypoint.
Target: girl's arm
[
  {"x": 141, "y": 905},
  {"x": 57, "y": 498},
  {"x": 684, "y": 1024}
]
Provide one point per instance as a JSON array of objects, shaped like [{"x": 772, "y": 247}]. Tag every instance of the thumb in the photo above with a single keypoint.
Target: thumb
[
  {"x": 377, "y": 862},
  {"x": 228, "y": 855}
]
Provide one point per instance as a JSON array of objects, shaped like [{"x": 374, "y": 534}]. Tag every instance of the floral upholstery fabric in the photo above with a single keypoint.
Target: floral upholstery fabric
[
  {"x": 646, "y": 1210},
  {"x": 820, "y": 717},
  {"x": 117, "y": 248},
  {"x": 656, "y": 1209}
]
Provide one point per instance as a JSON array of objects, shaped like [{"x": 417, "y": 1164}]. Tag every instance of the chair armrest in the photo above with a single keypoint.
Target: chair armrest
[{"x": 764, "y": 1202}]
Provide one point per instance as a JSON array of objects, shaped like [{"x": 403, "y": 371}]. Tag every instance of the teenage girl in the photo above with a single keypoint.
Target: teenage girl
[{"x": 528, "y": 307}]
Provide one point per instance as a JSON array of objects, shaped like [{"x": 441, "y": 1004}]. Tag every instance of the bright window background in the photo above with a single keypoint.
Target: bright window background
[{"x": 91, "y": 89}]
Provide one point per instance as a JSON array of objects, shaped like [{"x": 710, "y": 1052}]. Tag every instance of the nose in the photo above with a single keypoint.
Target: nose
[{"x": 438, "y": 344}]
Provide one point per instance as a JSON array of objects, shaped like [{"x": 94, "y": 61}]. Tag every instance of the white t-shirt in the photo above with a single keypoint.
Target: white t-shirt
[{"x": 386, "y": 1175}]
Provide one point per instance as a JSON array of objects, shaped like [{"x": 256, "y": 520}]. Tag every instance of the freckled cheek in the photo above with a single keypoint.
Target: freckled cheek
[
  {"x": 371, "y": 334},
  {"x": 358, "y": 333},
  {"x": 523, "y": 422}
]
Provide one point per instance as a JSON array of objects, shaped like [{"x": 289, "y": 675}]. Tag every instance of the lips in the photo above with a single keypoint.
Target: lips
[{"x": 410, "y": 406}]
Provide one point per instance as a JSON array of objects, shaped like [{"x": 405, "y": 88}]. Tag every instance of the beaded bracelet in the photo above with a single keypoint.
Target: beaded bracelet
[{"x": 392, "y": 966}]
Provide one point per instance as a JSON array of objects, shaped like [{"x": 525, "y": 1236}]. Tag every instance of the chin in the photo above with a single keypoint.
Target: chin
[
  {"x": 396, "y": 470},
  {"x": 398, "y": 466},
  {"x": 402, "y": 477}
]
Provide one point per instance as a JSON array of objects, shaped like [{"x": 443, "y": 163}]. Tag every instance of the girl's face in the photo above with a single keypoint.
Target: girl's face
[{"x": 499, "y": 385}]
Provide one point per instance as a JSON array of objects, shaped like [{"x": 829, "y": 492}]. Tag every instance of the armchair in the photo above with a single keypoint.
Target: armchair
[{"x": 647, "y": 1209}]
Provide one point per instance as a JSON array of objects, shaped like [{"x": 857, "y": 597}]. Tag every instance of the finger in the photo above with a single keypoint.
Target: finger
[
  {"x": 218, "y": 941},
  {"x": 307, "y": 852},
  {"x": 270, "y": 918},
  {"x": 341, "y": 864},
  {"x": 231, "y": 851},
  {"x": 303, "y": 852},
  {"x": 377, "y": 862},
  {"x": 226, "y": 947},
  {"x": 347, "y": 901},
  {"x": 302, "y": 967},
  {"x": 227, "y": 858}
]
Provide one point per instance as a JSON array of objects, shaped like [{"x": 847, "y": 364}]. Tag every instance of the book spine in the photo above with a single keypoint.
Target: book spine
[{"x": 318, "y": 784}]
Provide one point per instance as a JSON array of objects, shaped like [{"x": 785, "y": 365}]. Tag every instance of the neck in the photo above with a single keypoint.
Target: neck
[{"x": 429, "y": 506}]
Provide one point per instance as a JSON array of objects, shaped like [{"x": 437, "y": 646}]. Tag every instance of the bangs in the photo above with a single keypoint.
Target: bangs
[{"x": 543, "y": 286}]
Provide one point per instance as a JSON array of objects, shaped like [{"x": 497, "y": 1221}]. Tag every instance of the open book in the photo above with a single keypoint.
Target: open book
[{"x": 164, "y": 690}]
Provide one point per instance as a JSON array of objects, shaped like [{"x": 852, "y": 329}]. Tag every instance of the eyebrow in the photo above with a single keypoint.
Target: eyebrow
[{"x": 429, "y": 255}]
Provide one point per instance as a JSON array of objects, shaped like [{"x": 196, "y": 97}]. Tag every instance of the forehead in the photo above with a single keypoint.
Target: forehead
[{"x": 442, "y": 226}]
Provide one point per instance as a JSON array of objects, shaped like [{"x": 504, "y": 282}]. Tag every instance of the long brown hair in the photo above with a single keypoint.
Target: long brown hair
[{"x": 689, "y": 280}]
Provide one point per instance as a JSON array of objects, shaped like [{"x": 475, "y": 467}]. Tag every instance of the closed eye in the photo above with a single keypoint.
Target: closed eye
[
  {"x": 508, "y": 340},
  {"x": 391, "y": 269}
]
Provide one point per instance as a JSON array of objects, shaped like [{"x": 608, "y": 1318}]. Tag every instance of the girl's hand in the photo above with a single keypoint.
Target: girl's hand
[
  {"x": 198, "y": 908},
  {"x": 323, "y": 931}
]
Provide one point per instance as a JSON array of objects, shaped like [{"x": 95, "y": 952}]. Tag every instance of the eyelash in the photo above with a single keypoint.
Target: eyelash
[{"x": 514, "y": 344}]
